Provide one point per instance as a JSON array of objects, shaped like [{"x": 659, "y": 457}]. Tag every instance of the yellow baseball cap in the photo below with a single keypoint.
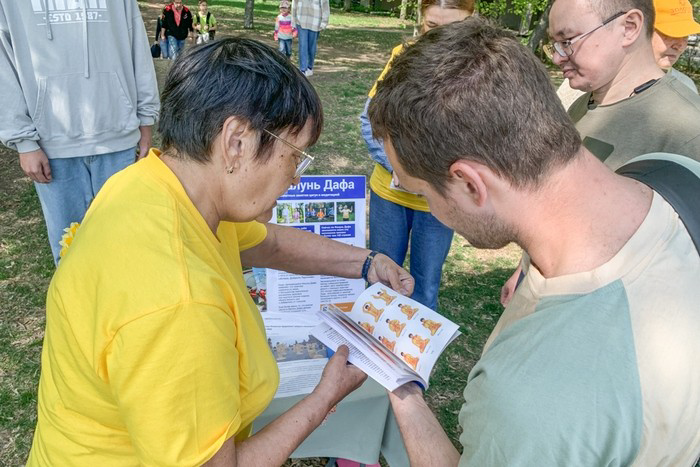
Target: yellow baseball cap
[{"x": 674, "y": 18}]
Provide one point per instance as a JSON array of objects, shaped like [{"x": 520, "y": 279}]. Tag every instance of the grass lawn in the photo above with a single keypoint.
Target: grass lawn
[{"x": 351, "y": 54}]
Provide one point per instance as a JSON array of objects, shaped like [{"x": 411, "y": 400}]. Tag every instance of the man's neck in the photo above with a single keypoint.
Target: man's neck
[
  {"x": 581, "y": 217},
  {"x": 637, "y": 68}
]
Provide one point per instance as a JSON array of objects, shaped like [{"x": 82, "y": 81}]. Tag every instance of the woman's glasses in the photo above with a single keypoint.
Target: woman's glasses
[{"x": 306, "y": 159}]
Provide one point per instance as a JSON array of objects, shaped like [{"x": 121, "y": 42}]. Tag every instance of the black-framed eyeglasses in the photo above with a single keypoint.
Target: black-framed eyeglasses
[
  {"x": 306, "y": 158},
  {"x": 564, "y": 49}
]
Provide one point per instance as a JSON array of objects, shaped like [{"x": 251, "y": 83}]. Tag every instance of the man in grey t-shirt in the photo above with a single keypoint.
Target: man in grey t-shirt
[{"x": 604, "y": 48}]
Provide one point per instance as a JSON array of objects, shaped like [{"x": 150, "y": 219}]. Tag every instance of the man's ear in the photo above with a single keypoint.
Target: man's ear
[
  {"x": 235, "y": 140},
  {"x": 634, "y": 27},
  {"x": 467, "y": 178}
]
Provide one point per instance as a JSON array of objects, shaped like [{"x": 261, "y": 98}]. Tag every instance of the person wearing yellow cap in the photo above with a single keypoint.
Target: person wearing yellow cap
[{"x": 674, "y": 23}]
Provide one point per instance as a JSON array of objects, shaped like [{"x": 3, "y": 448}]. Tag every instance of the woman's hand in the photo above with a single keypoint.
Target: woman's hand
[
  {"x": 338, "y": 379},
  {"x": 386, "y": 271}
]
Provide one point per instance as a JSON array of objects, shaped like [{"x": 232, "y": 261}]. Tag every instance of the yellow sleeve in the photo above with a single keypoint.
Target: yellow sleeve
[
  {"x": 174, "y": 375},
  {"x": 250, "y": 234},
  {"x": 395, "y": 51},
  {"x": 247, "y": 234}
]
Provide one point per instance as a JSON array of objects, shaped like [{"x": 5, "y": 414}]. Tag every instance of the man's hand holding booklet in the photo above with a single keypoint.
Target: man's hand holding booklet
[{"x": 392, "y": 338}]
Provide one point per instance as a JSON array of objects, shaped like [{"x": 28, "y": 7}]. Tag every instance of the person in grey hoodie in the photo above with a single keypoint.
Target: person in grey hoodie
[{"x": 79, "y": 98}]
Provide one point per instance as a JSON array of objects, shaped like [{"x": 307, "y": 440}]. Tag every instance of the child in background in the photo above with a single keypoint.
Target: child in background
[
  {"x": 284, "y": 29},
  {"x": 204, "y": 23}
]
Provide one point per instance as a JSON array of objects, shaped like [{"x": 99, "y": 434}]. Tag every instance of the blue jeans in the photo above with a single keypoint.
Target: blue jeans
[
  {"x": 285, "y": 46},
  {"x": 74, "y": 183},
  {"x": 175, "y": 46},
  {"x": 391, "y": 225},
  {"x": 164, "y": 48},
  {"x": 307, "y": 48}
]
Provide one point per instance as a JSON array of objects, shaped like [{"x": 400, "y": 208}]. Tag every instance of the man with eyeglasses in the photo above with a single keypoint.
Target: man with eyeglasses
[
  {"x": 673, "y": 24},
  {"x": 631, "y": 106}
]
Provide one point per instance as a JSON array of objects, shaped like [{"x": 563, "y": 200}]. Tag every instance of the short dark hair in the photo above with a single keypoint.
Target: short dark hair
[
  {"x": 234, "y": 77},
  {"x": 470, "y": 90},
  {"x": 607, "y": 8}
]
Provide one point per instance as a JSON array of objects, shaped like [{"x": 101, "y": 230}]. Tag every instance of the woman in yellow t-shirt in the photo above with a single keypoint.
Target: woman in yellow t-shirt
[
  {"x": 397, "y": 216},
  {"x": 154, "y": 353}
]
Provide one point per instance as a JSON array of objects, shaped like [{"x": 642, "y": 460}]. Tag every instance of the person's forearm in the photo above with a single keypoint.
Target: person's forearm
[
  {"x": 301, "y": 252},
  {"x": 425, "y": 441},
  {"x": 273, "y": 445}
]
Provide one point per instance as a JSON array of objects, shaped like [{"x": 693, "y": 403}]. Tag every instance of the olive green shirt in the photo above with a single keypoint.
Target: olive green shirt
[{"x": 663, "y": 118}]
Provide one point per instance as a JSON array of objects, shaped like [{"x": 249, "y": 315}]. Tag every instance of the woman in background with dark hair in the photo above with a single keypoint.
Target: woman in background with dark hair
[
  {"x": 397, "y": 217},
  {"x": 154, "y": 351}
]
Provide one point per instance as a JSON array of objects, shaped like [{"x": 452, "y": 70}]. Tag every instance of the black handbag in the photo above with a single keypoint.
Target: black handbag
[{"x": 155, "y": 50}]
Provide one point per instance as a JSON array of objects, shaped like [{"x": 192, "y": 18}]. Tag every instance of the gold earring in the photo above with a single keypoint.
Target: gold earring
[{"x": 235, "y": 163}]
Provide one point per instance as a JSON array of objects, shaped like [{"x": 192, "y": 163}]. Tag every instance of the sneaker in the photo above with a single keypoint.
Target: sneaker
[{"x": 309, "y": 72}]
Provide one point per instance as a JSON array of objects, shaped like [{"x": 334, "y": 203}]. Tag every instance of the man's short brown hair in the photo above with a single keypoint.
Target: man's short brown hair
[{"x": 471, "y": 91}]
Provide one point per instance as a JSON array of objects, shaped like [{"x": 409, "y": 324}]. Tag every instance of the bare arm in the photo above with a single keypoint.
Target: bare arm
[
  {"x": 300, "y": 252},
  {"x": 426, "y": 442},
  {"x": 274, "y": 443}
]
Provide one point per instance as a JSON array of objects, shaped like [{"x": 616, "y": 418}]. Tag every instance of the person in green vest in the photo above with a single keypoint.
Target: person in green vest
[{"x": 204, "y": 23}]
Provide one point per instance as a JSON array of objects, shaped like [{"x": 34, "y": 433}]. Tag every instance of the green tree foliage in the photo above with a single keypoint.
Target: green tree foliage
[{"x": 497, "y": 8}]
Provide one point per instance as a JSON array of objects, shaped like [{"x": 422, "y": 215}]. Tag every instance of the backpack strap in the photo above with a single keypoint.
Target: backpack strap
[
  {"x": 208, "y": 16},
  {"x": 676, "y": 184}
]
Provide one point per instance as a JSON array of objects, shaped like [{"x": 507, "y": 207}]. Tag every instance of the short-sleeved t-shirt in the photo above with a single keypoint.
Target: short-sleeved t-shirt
[
  {"x": 154, "y": 352},
  {"x": 599, "y": 367},
  {"x": 663, "y": 118}
]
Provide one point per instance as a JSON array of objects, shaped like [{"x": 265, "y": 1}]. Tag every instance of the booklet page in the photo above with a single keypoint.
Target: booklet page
[
  {"x": 413, "y": 332},
  {"x": 300, "y": 356}
]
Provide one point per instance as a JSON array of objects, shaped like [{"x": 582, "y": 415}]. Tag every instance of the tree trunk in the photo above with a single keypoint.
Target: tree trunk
[
  {"x": 347, "y": 5},
  {"x": 248, "y": 14},
  {"x": 419, "y": 20},
  {"x": 526, "y": 20},
  {"x": 540, "y": 31},
  {"x": 404, "y": 7}
]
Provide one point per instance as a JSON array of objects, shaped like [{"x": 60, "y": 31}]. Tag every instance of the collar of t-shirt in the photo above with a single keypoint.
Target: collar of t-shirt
[{"x": 178, "y": 15}]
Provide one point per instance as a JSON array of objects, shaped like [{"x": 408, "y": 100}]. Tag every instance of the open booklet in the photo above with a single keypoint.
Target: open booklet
[{"x": 392, "y": 338}]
